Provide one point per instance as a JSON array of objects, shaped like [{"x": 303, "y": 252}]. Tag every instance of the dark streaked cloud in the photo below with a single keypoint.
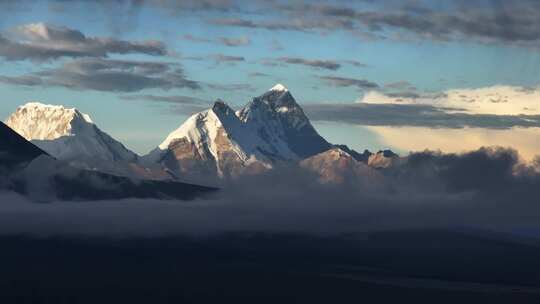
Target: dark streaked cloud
[
  {"x": 26, "y": 80},
  {"x": 400, "y": 85},
  {"x": 217, "y": 58},
  {"x": 269, "y": 25},
  {"x": 177, "y": 7},
  {"x": 176, "y": 104},
  {"x": 229, "y": 59},
  {"x": 489, "y": 21},
  {"x": 480, "y": 21},
  {"x": 109, "y": 75},
  {"x": 404, "y": 94},
  {"x": 226, "y": 41},
  {"x": 258, "y": 74},
  {"x": 349, "y": 82},
  {"x": 175, "y": 99},
  {"x": 322, "y": 64},
  {"x": 289, "y": 24},
  {"x": 190, "y": 37},
  {"x": 230, "y": 87},
  {"x": 414, "y": 115},
  {"x": 41, "y": 42},
  {"x": 241, "y": 41},
  {"x": 356, "y": 63}
]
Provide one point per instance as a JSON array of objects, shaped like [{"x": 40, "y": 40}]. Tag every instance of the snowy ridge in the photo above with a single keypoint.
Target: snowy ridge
[
  {"x": 66, "y": 134},
  {"x": 214, "y": 136},
  {"x": 281, "y": 122},
  {"x": 279, "y": 87},
  {"x": 37, "y": 121},
  {"x": 271, "y": 128}
]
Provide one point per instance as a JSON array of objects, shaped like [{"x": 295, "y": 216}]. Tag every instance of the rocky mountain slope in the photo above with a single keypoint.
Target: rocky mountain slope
[
  {"x": 339, "y": 167},
  {"x": 270, "y": 129}
]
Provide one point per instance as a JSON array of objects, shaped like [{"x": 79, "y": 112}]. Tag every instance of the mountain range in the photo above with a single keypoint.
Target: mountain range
[
  {"x": 271, "y": 130},
  {"x": 210, "y": 146}
]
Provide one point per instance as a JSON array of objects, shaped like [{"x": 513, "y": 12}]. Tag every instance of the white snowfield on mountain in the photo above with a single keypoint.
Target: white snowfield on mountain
[
  {"x": 37, "y": 121},
  {"x": 66, "y": 133}
]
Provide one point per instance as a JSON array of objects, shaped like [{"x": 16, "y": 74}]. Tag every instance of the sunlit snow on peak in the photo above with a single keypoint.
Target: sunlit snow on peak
[{"x": 279, "y": 87}]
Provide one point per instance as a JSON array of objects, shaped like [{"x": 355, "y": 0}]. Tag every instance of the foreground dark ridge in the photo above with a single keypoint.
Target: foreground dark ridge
[
  {"x": 15, "y": 149},
  {"x": 67, "y": 183}
]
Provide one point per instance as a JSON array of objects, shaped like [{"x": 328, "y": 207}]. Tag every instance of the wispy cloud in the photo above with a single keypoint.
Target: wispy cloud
[
  {"x": 175, "y": 99},
  {"x": 221, "y": 58},
  {"x": 26, "y": 80},
  {"x": 226, "y": 41},
  {"x": 108, "y": 75},
  {"x": 241, "y": 41},
  {"x": 314, "y": 63},
  {"x": 230, "y": 87},
  {"x": 258, "y": 74},
  {"x": 349, "y": 82},
  {"x": 190, "y": 37},
  {"x": 478, "y": 21},
  {"x": 41, "y": 42}
]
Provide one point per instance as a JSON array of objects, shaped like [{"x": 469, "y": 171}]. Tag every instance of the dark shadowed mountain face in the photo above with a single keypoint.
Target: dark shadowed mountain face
[
  {"x": 275, "y": 114},
  {"x": 14, "y": 149}
]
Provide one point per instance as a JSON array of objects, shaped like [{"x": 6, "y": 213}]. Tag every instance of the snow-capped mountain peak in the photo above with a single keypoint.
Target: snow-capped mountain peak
[
  {"x": 37, "y": 121},
  {"x": 278, "y": 119},
  {"x": 209, "y": 142},
  {"x": 279, "y": 87},
  {"x": 66, "y": 134},
  {"x": 271, "y": 128},
  {"x": 200, "y": 125}
]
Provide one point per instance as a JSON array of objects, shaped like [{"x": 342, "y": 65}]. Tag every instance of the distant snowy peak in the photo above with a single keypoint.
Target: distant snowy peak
[
  {"x": 337, "y": 166},
  {"x": 380, "y": 160},
  {"x": 383, "y": 159},
  {"x": 279, "y": 87},
  {"x": 37, "y": 121},
  {"x": 66, "y": 134}
]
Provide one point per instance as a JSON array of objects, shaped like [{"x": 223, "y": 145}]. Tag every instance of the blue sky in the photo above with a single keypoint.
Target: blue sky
[{"x": 235, "y": 50}]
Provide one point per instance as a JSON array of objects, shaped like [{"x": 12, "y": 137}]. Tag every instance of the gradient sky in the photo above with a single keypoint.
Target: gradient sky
[{"x": 373, "y": 74}]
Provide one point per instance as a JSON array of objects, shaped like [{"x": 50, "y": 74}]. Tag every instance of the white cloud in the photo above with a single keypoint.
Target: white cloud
[{"x": 497, "y": 100}]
